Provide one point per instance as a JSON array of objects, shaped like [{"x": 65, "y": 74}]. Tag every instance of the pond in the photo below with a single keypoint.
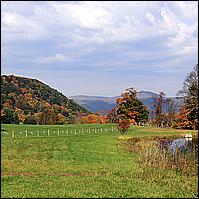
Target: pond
[
  {"x": 180, "y": 154},
  {"x": 179, "y": 145}
]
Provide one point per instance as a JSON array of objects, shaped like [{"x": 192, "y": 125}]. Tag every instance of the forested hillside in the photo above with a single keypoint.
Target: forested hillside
[{"x": 31, "y": 101}]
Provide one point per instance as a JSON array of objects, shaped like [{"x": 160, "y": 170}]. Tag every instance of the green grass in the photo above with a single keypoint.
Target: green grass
[{"x": 93, "y": 165}]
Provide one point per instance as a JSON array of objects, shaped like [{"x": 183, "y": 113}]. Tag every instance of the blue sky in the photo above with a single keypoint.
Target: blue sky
[{"x": 101, "y": 48}]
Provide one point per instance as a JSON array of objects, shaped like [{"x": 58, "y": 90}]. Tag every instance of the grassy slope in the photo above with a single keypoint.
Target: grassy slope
[{"x": 88, "y": 165}]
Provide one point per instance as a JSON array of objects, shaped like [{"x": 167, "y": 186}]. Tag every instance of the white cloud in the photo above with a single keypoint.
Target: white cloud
[
  {"x": 88, "y": 16},
  {"x": 188, "y": 9},
  {"x": 100, "y": 35},
  {"x": 151, "y": 18},
  {"x": 105, "y": 21},
  {"x": 58, "y": 57},
  {"x": 15, "y": 22},
  {"x": 17, "y": 28}
]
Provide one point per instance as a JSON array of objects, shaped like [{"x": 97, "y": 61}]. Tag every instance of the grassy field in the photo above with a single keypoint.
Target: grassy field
[{"x": 92, "y": 164}]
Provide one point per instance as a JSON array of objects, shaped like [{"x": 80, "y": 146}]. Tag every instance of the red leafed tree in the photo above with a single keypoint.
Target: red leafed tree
[
  {"x": 182, "y": 120},
  {"x": 129, "y": 107},
  {"x": 130, "y": 110}
]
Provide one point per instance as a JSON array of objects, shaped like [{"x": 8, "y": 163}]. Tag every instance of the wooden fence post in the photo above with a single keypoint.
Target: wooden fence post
[
  {"x": 75, "y": 131},
  {"x": 58, "y": 132},
  {"x": 38, "y": 132},
  {"x": 26, "y": 133},
  {"x": 13, "y": 134},
  {"x": 48, "y": 133},
  {"x": 66, "y": 131}
]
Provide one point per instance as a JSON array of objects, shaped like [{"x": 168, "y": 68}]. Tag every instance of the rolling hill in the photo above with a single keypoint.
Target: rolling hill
[{"x": 30, "y": 99}]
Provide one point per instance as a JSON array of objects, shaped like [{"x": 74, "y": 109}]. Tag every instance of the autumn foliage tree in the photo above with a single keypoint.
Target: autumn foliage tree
[
  {"x": 112, "y": 116},
  {"x": 182, "y": 120},
  {"x": 189, "y": 94},
  {"x": 130, "y": 110},
  {"x": 30, "y": 101},
  {"x": 93, "y": 119},
  {"x": 169, "y": 115},
  {"x": 164, "y": 111}
]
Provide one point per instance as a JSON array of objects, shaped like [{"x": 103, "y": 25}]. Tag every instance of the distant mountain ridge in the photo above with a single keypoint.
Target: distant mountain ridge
[{"x": 96, "y": 103}]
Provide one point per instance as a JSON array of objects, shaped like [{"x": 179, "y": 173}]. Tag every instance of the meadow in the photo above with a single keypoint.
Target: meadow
[{"x": 63, "y": 161}]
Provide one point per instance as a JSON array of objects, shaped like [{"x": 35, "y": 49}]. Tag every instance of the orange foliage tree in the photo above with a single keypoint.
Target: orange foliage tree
[
  {"x": 93, "y": 119},
  {"x": 129, "y": 107},
  {"x": 182, "y": 120},
  {"x": 130, "y": 110}
]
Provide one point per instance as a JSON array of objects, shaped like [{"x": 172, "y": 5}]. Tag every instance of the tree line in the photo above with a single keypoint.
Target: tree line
[
  {"x": 131, "y": 111},
  {"x": 31, "y": 102}
]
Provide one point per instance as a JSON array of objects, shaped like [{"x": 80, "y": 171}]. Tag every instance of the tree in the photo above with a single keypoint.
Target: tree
[
  {"x": 20, "y": 115},
  {"x": 189, "y": 94},
  {"x": 31, "y": 119},
  {"x": 31, "y": 97},
  {"x": 112, "y": 116},
  {"x": 169, "y": 115},
  {"x": 182, "y": 121},
  {"x": 93, "y": 119},
  {"x": 131, "y": 109},
  {"x": 9, "y": 116},
  {"x": 158, "y": 103}
]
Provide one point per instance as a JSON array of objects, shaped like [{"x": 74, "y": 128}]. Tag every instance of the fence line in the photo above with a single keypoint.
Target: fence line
[{"x": 67, "y": 132}]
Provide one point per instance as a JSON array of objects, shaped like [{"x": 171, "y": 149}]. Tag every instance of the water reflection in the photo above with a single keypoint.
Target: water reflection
[
  {"x": 180, "y": 145},
  {"x": 179, "y": 154}
]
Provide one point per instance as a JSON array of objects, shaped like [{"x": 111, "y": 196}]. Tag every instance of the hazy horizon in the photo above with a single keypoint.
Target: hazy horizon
[{"x": 92, "y": 95}]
